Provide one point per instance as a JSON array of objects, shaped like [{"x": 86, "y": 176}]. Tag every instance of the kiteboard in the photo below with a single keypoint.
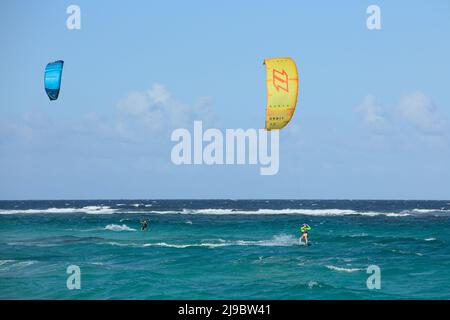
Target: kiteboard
[{"x": 301, "y": 243}]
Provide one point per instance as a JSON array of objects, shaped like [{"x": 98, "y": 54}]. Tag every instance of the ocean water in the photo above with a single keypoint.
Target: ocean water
[{"x": 224, "y": 249}]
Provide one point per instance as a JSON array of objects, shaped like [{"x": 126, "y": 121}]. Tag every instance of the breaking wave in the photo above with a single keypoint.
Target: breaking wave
[
  {"x": 340, "y": 269},
  {"x": 116, "y": 227},
  {"x": 310, "y": 212},
  {"x": 87, "y": 210},
  {"x": 276, "y": 241},
  {"x": 7, "y": 265},
  {"x": 101, "y": 209}
]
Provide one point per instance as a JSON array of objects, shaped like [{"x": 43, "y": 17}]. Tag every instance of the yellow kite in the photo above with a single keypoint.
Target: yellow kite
[{"x": 282, "y": 90}]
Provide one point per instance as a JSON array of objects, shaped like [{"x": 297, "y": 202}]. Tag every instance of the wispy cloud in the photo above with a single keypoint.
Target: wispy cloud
[
  {"x": 418, "y": 110},
  {"x": 157, "y": 109},
  {"x": 130, "y": 123},
  {"x": 372, "y": 114},
  {"x": 415, "y": 111}
]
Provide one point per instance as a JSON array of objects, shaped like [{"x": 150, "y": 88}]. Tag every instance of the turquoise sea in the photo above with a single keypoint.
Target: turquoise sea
[{"x": 224, "y": 249}]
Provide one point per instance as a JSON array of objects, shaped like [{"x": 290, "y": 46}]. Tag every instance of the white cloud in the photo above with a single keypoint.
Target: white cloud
[
  {"x": 159, "y": 94},
  {"x": 157, "y": 109},
  {"x": 414, "y": 120},
  {"x": 135, "y": 103},
  {"x": 418, "y": 110},
  {"x": 372, "y": 114}
]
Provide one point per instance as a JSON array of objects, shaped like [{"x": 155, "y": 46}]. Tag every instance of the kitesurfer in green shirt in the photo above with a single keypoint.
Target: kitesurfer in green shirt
[{"x": 304, "y": 231}]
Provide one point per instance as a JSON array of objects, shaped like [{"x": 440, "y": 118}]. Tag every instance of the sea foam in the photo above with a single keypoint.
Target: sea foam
[
  {"x": 340, "y": 269},
  {"x": 116, "y": 227},
  {"x": 86, "y": 209}
]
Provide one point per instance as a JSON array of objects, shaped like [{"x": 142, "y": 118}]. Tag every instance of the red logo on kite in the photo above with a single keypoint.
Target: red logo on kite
[{"x": 280, "y": 80}]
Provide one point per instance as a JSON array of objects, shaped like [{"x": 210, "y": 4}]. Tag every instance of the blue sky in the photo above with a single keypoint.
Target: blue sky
[{"x": 372, "y": 121}]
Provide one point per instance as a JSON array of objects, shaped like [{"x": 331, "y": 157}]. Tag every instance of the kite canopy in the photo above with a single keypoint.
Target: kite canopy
[
  {"x": 52, "y": 78},
  {"x": 282, "y": 91}
]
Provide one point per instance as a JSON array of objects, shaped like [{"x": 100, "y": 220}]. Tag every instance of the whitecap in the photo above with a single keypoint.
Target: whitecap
[
  {"x": 116, "y": 227},
  {"x": 340, "y": 269},
  {"x": 276, "y": 241},
  {"x": 86, "y": 209},
  {"x": 357, "y": 235},
  {"x": 6, "y": 265},
  {"x": 310, "y": 212},
  {"x": 2, "y": 262}
]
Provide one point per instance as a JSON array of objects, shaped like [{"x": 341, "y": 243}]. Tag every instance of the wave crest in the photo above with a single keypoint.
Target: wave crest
[
  {"x": 116, "y": 227},
  {"x": 341, "y": 269},
  {"x": 86, "y": 209},
  {"x": 277, "y": 241}
]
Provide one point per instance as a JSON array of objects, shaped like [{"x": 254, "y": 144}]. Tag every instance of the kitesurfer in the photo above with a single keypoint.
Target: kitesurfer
[
  {"x": 144, "y": 225},
  {"x": 304, "y": 231}
]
